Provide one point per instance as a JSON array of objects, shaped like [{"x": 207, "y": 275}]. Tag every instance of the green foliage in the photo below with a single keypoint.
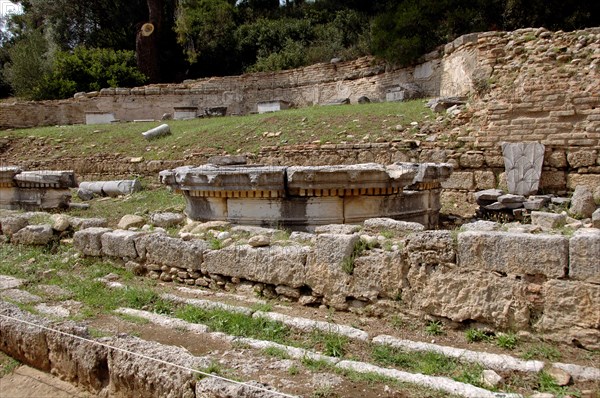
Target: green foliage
[
  {"x": 429, "y": 363},
  {"x": 507, "y": 341},
  {"x": 29, "y": 64},
  {"x": 542, "y": 351},
  {"x": 474, "y": 335},
  {"x": 332, "y": 344},
  {"x": 276, "y": 352},
  {"x": 434, "y": 328}
]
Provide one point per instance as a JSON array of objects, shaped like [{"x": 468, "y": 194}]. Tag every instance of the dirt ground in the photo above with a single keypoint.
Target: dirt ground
[{"x": 26, "y": 382}]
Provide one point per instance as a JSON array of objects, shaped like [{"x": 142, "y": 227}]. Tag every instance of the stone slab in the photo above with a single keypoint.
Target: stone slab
[
  {"x": 514, "y": 253},
  {"x": 584, "y": 255},
  {"x": 523, "y": 164}
]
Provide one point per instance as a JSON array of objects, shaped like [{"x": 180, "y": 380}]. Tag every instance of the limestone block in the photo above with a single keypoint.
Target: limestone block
[
  {"x": 471, "y": 160},
  {"x": 592, "y": 181},
  {"x": 119, "y": 243},
  {"x": 596, "y": 218},
  {"x": 46, "y": 178},
  {"x": 277, "y": 265},
  {"x": 7, "y": 175},
  {"x": 324, "y": 266},
  {"x": 571, "y": 307},
  {"x": 378, "y": 274},
  {"x": 33, "y": 235},
  {"x": 112, "y": 188},
  {"x": 389, "y": 224},
  {"x": 484, "y": 179},
  {"x": 131, "y": 221},
  {"x": 166, "y": 220},
  {"x": 337, "y": 229},
  {"x": 584, "y": 255},
  {"x": 481, "y": 225},
  {"x": 205, "y": 209},
  {"x": 88, "y": 241},
  {"x": 60, "y": 222},
  {"x": 463, "y": 180},
  {"x": 430, "y": 248},
  {"x": 164, "y": 250},
  {"x": 9, "y": 225},
  {"x": 523, "y": 165},
  {"x": 83, "y": 223},
  {"x": 582, "y": 158},
  {"x": 557, "y": 159},
  {"x": 553, "y": 180},
  {"x": 514, "y": 253},
  {"x": 548, "y": 220},
  {"x": 479, "y": 296},
  {"x": 582, "y": 202}
]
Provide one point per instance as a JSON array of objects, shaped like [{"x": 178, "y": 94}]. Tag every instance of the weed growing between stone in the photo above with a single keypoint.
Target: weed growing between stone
[
  {"x": 7, "y": 364},
  {"x": 434, "y": 328},
  {"x": 543, "y": 352},
  {"x": 474, "y": 335}
]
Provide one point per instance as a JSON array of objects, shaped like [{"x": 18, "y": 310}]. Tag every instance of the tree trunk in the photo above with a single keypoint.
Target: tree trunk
[{"x": 147, "y": 47}]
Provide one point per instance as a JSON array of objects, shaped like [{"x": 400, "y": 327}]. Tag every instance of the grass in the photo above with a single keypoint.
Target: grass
[
  {"x": 7, "y": 364},
  {"x": 546, "y": 383},
  {"x": 508, "y": 341},
  {"x": 475, "y": 335},
  {"x": 214, "y": 368},
  {"x": 276, "y": 352},
  {"x": 434, "y": 328},
  {"x": 331, "y": 124},
  {"x": 332, "y": 344},
  {"x": 236, "y": 324},
  {"x": 348, "y": 262},
  {"x": 542, "y": 351}
]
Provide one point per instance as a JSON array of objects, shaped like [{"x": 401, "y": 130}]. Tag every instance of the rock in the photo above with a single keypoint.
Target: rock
[
  {"x": 61, "y": 222},
  {"x": 130, "y": 221},
  {"x": 9, "y": 282},
  {"x": 88, "y": 241},
  {"x": 19, "y": 296},
  {"x": 157, "y": 132},
  {"x": 481, "y": 225},
  {"x": 534, "y": 204},
  {"x": 561, "y": 377},
  {"x": 164, "y": 250},
  {"x": 363, "y": 100},
  {"x": 369, "y": 240},
  {"x": 197, "y": 228},
  {"x": 491, "y": 379},
  {"x": 337, "y": 229},
  {"x": 12, "y": 224},
  {"x": 582, "y": 202},
  {"x": 510, "y": 198},
  {"x": 548, "y": 220},
  {"x": 83, "y": 223},
  {"x": 542, "y": 395},
  {"x": 216, "y": 388},
  {"x": 560, "y": 201},
  {"x": 33, "y": 235},
  {"x": 57, "y": 311},
  {"x": 166, "y": 220},
  {"x": 288, "y": 291},
  {"x": 487, "y": 196},
  {"x": 85, "y": 194},
  {"x": 514, "y": 253},
  {"x": 223, "y": 235},
  {"x": 166, "y": 116},
  {"x": 119, "y": 243},
  {"x": 596, "y": 219},
  {"x": 276, "y": 265},
  {"x": 381, "y": 224},
  {"x": 229, "y": 160},
  {"x": 112, "y": 188},
  {"x": 430, "y": 248},
  {"x": 584, "y": 252},
  {"x": 254, "y": 230},
  {"x": 523, "y": 165},
  {"x": 259, "y": 241}
]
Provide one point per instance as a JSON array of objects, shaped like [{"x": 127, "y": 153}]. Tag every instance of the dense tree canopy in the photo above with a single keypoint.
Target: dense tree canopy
[{"x": 196, "y": 38}]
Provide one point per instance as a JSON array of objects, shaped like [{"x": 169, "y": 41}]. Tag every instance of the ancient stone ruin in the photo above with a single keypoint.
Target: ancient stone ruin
[
  {"x": 301, "y": 197},
  {"x": 34, "y": 190}
]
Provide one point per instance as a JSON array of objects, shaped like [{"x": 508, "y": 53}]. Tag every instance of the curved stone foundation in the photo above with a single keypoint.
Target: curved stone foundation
[{"x": 301, "y": 197}]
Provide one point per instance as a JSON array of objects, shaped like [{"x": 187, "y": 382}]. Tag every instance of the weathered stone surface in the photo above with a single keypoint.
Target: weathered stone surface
[
  {"x": 571, "y": 308},
  {"x": 481, "y": 225},
  {"x": 10, "y": 225},
  {"x": 161, "y": 249},
  {"x": 131, "y": 221},
  {"x": 54, "y": 179},
  {"x": 9, "y": 282},
  {"x": 157, "y": 132},
  {"x": 259, "y": 241},
  {"x": 119, "y": 243},
  {"x": 534, "y": 204},
  {"x": 137, "y": 376},
  {"x": 214, "y": 388},
  {"x": 60, "y": 222},
  {"x": 484, "y": 179},
  {"x": 378, "y": 274},
  {"x": 277, "y": 265},
  {"x": 584, "y": 255},
  {"x": 462, "y": 180},
  {"x": 85, "y": 194},
  {"x": 523, "y": 165},
  {"x": 548, "y": 220},
  {"x": 596, "y": 219},
  {"x": 592, "y": 181},
  {"x": 514, "y": 253},
  {"x": 582, "y": 202},
  {"x": 83, "y": 223},
  {"x": 112, "y": 188},
  {"x": 337, "y": 229},
  {"x": 561, "y": 377},
  {"x": 288, "y": 291},
  {"x": 430, "y": 248},
  {"x": 487, "y": 196},
  {"x": 19, "y": 296},
  {"x": 88, "y": 241},
  {"x": 477, "y": 296},
  {"x": 510, "y": 198},
  {"x": 581, "y": 158},
  {"x": 228, "y": 160},
  {"x": 33, "y": 235},
  {"x": 491, "y": 379},
  {"x": 166, "y": 220},
  {"x": 324, "y": 267},
  {"x": 382, "y": 224},
  {"x": 471, "y": 160}
]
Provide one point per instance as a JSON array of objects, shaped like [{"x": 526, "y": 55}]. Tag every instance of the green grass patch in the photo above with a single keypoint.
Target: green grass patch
[
  {"x": 475, "y": 335},
  {"x": 331, "y": 344},
  {"x": 276, "y": 352},
  {"x": 236, "y": 324},
  {"x": 542, "y": 351},
  {"x": 229, "y": 134},
  {"x": 7, "y": 364},
  {"x": 434, "y": 328},
  {"x": 508, "y": 341}
]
